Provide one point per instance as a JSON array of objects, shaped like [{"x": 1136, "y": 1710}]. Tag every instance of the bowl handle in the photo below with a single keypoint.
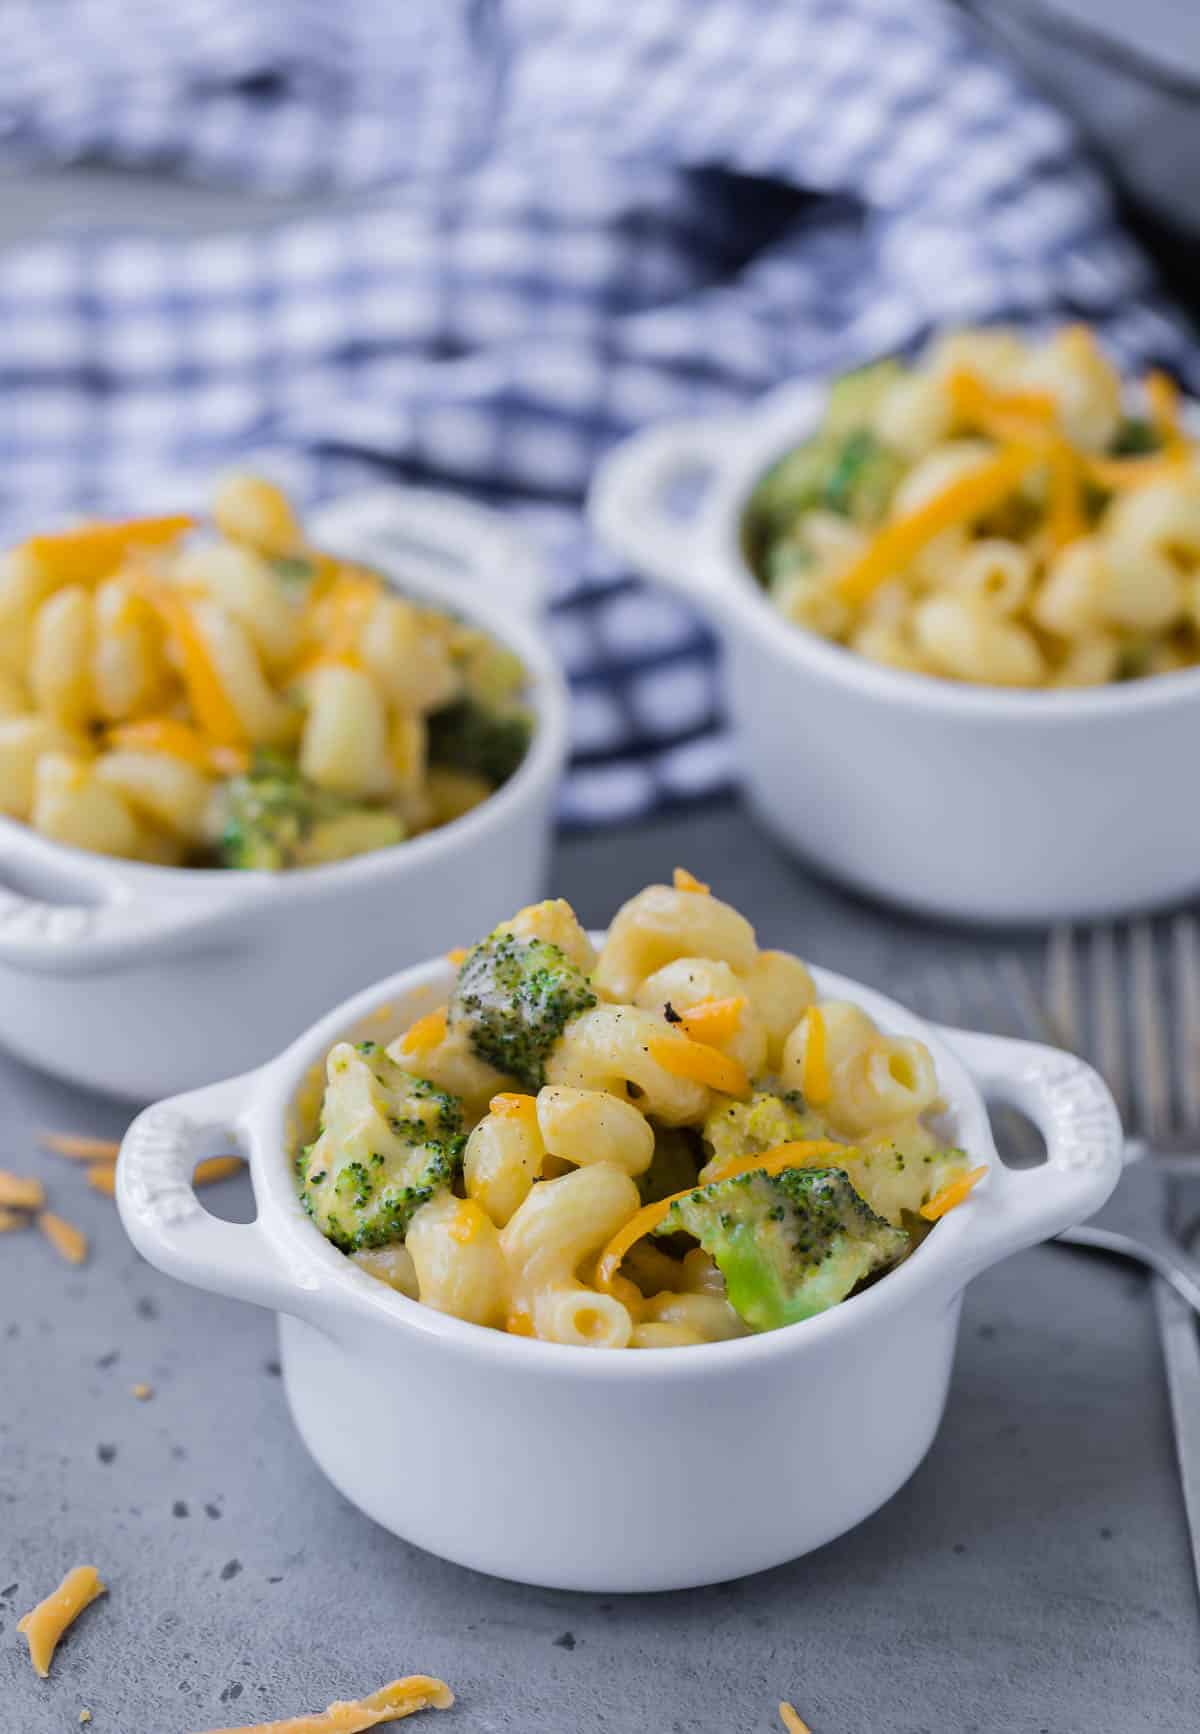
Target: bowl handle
[
  {"x": 1071, "y": 1106},
  {"x": 109, "y": 924},
  {"x": 630, "y": 501},
  {"x": 162, "y": 1214},
  {"x": 461, "y": 547}
]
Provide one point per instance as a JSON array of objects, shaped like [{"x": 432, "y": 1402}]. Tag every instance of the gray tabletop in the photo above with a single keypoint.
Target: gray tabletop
[{"x": 1033, "y": 1577}]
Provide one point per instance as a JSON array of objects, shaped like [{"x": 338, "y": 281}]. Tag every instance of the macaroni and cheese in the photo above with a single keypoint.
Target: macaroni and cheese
[
  {"x": 991, "y": 514},
  {"x": 238, "y": 699},
  {"x": 672, "y": 1142}
]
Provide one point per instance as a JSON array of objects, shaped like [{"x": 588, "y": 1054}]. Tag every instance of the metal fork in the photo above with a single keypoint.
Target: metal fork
[{"x": 1158, "y": 1094}]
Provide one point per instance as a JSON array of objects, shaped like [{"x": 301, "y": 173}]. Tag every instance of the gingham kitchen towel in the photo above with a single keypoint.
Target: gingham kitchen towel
[{"x": 554, "y": 222}]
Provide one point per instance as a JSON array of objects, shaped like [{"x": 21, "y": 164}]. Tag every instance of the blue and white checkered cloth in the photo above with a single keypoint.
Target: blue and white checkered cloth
[{"x": 568, "y": 218}]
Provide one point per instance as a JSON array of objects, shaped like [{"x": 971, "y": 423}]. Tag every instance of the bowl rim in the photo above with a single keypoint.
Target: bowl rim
[
  {"x": 317, "y": 1267},
  {"x": 544, "y": 760},
  {"x": 763, "y": 433}
]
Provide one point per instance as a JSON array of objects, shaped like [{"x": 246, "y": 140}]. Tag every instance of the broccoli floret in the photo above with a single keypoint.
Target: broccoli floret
[
  {"x": 788, "y": 1245},
  {"x": 512, "y": 998},
  {"x": 1135, "y": 437},
  {"x": 275, "y": 818},
  {"x": 467, "y": 735},
  {"x": 850, "y": 472},
  {"x": 738, "y": 1129},
  {"x": 388, "y": 1142},
  {"x": 854, "y": 398}
]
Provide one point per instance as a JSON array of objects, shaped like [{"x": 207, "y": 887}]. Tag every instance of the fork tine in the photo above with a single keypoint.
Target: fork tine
[
  {"x": 1150, "y": 1074},
  {"x": 1187, "y": 1000},
  {"x": 1110, "y": 1042},
  {"x": 1062, "y": 989},
  {"x": 1031, "y": 1016}
]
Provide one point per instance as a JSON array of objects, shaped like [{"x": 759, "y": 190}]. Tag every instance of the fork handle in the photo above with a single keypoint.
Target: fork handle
[{"x": 1071, "y": 1106}]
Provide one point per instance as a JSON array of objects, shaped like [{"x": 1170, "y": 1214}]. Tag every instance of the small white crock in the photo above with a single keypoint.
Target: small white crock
[
  {"x": 140, "y": 981},
  {"x": 977, "y": 803},
  {"x": 599, "y": 1470}
]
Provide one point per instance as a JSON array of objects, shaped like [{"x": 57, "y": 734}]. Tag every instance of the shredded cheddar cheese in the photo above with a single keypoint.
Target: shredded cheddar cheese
[
  {"x": 21, "y": 1192},
  {"x": 519, "y": 1324},
  {"x": 457, "y": 956},
  {"x": 685, "y": 881},
  {"x": 951, "y": 1194},
  {"x": 44, "y": 1625},
  {"x": 510, "y": 1106},
  {"x": 89, "y": 552},
  {"x": 423, "y": 1036},
  {"x": 102, "y": 1177},
  {"x": 11, "y": 1219},
  {"x": 390, "y": 1704},
  {"x": 335, "y": 618},
  {"x": 701, "y": 1064},
  {"x": 79, "y": 1148},
  {"x": 713, "y": 1020},
  {"x": 209, "y": 701},
  {"x": 215, "y": 1168},
  {"x": 816, "y": 1081},
  {"x": 895, "y": 546},
  {"x": 68, "y": 1241},
  {"x": 179, "y": 740},
  {"x": 797, "y": 1154},
  {"x": 143, "y": 1393},
  {"x": 648, "y": 1217},
  {"x": 794, "y": 1723}
]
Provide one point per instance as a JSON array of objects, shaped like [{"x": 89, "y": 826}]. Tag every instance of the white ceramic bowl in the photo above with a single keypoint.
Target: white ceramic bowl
[
  {"x": 603, "y": 1470},
  {"x": 977, "y": 803},
  {"x": 139, "y": 981}
]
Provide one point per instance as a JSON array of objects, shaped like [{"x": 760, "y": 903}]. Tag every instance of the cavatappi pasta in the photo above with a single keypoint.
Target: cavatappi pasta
[
  {"x": 237, "y": 698},
  {"x": 670, "y": 1143},
  {"x": 992, "y": 514}
]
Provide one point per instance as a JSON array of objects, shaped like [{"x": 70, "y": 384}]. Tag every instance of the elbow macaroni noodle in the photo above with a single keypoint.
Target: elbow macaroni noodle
[
  {"x": 883, "y": 533},
  {"x": 551, "y": 1178},
  {"x": 241, "y": 700}
]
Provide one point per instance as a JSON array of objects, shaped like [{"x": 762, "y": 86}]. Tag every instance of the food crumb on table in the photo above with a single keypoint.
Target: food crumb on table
[{"x": 143, "y": 1393}]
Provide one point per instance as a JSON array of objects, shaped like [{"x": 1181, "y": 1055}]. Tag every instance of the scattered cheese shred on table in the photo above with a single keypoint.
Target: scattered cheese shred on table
[
  {"x": 143, "y": 1393},
  {"x": 20, "y": 1191},
  {"x": 68, "y": 1241},
  {"x": 102, "y": 1177},
  {"x": 792, "y": 1722},
  {"x": 402, "y": 1698},
  {"x": 10, "y": 1219},
  {"x": 951, "y": 1194},
  {"x": 44, "y": 1625},
  {"x": 216, "y": 1168},
  {"x": 80, "y": 1148}
]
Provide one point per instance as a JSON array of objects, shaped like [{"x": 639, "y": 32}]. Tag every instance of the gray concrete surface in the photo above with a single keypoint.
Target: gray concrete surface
[{"x": 1032, "y": 1578}]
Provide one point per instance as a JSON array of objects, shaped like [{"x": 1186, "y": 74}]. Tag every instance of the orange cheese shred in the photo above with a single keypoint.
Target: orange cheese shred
[
  {"x": 335, "y": 619},
  {"x": 815, "y": 1079},
  {"x": 206, "y": 693},
  {"x": 80, "y": 1149},
  {"x": 44, "y": 1625},
  {"x": 796, "y": 1154},
  {"x": 179, "y": 740},
  {"x": 700, "y": 1064},
  {"x": 423, "y": 1036},
  {"x": 68, "y": 1241},
  {"x": 215, "y": 1168},
  {"x": 1119, "y": 474},
  {"x": 519, "y": 1324},
  {"x": 713, "y": 1020},
  {"x": 647, "y": 1218},
  {"x": 792, "y": 1721},
  {"x": 21, "y": 1192},
  {"x": 390, "y": 1704},
  {"x": 458, "y": 956},
  {"x": 1005, "y": 414},
  {"x": 102, "y": 1177},
  {"x": 89, "y": 552},
  {"x": 685, "y": 881},
  {"x": 508, "y": 1105},
  {"x": 897, "y": 543},
  {"x": 952, "y": 1194}
]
